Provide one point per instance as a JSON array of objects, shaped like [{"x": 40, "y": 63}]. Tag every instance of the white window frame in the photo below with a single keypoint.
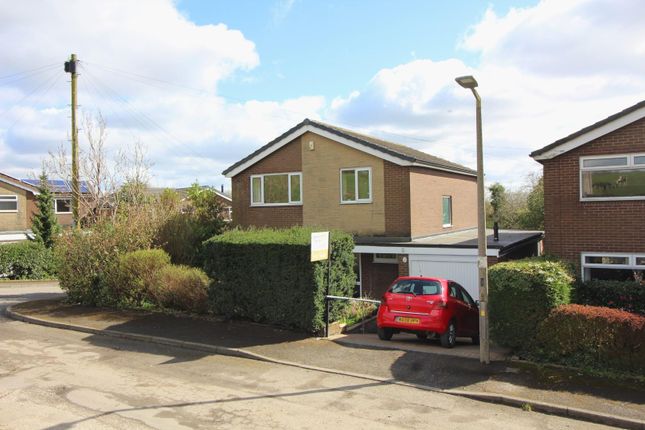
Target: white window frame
[
  {"x": 450, "y": 199},
  {"x": 262, "y": 176},
  {"x": 631, "y": 165},
  {"x": 386, "y": 260},
  {"x": 13, "y": 198},
  {"x": 631, "y": 262},
  {"x": 356, "y": 170},
  {"x": 62, "y": 213}
]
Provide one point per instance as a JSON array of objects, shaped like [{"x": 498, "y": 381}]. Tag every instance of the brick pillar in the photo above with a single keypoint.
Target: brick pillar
[{"x": 404, "y": 268}]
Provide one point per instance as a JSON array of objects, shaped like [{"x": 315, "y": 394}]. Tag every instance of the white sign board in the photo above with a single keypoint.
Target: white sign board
[{"x": 319, "y": 246}]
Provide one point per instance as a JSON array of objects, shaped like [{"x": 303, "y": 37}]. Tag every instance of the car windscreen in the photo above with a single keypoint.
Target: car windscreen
[{"x": 417, "y": 287}]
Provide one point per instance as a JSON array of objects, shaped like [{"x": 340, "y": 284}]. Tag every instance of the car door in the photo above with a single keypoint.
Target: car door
[
  {"x": 471, "y": 314},
  {"x": 455, "y": 304}
]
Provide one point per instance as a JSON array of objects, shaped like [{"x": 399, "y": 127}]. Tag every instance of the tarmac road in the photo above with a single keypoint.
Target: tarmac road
[{"x": 59, "y": 379}]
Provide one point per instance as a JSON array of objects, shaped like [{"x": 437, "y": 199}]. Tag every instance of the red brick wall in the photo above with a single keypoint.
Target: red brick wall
[
  {"x": 572, "y": 226},
  {"x": 404, "y": 268},
  {"x": 286, "y": 159},
  {"x": 376, "y": 277},
  {"x": 397, "y": 199}
]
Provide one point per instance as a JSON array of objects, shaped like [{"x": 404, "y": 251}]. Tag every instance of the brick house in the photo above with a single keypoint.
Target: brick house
[
  {"x": 410, "y": 212},
  {"x": 594, "y": 196},
  {"x": 18, "y": 205}
]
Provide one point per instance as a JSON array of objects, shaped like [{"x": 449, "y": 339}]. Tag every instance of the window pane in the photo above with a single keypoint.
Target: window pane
[
  {"x": 606, "y": 259},
  {"x": 640, "y": 261},
  {"x": 613, "y": 183},
  {"x": 609, "y": 274},
  {"x": 63, "y": 206},
  {"x": 257, "y": 190},
  {"x": 447, "y": 210},
  {"x": 8, "y": 205},
  {"x": 276, "y": 189},
  {"x": 605, "y": 162},
  {"x": 363, "y": 184},
  {"x": 640, "y": 159},
  {"x": 348, "y": 185},
  {"x": 295, "y": 188}
]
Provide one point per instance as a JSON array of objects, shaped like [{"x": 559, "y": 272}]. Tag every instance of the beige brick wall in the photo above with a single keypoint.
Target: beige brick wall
[
  {"x": 321, "y": 187},
  {"x": 426, "y": 190},
  {"x": 15, "y": 221}
]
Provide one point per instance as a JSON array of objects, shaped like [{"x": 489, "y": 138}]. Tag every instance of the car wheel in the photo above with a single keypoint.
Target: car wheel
[
  {"x": 449, "y": 338},
  {"x": 385, "y": 333},
  {"x": 475, "y": 340},
  {"x": 422, "y": 335}
]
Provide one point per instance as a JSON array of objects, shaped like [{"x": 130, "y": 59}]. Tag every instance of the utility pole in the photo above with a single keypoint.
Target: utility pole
[{"x": 70, "y": 67}]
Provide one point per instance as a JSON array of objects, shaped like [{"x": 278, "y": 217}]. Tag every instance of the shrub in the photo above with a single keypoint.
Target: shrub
[
  {"x": 628, "y": 296},
  {"x": 592, "y": 336},
  {"x": 265, "y": 275},
  {"x": 138, "y": 274},
  {"x": 181, "y": 287},
  {"x": 521, "y": 295},
  {"x": 181, "y": 237},
  {"x": 26, "y": 260},
  {"x": 89, "y": 258}
]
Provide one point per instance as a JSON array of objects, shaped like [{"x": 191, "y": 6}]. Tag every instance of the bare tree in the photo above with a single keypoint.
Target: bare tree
[{"x": 101, "y": 177}]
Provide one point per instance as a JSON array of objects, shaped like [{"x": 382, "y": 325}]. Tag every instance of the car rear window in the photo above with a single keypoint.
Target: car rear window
[{"x": 417, "y": 286}]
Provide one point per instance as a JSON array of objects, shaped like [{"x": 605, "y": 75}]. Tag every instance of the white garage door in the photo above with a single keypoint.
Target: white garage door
[{"x": 459, "y": 268}]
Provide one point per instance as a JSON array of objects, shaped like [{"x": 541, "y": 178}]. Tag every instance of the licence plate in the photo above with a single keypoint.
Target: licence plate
[{"x": 407, "y": 320}]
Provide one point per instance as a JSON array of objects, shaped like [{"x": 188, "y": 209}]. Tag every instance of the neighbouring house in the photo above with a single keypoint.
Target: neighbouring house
[
  {"x": 18, "y": 205},
  {"x": 411, "y": 213},
  {"x": 594, "y": 196},
  {"x": 224, "y": 199}
]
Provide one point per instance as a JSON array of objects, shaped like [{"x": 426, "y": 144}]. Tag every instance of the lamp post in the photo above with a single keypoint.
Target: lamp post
[{"x": 470, "y": 83}]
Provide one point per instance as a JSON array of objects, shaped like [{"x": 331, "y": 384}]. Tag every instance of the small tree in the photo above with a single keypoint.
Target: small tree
[
  {"x": 533, "y": 216},
  {"x": 497, "y": 201},
  {"x": 44, "y": 223}
]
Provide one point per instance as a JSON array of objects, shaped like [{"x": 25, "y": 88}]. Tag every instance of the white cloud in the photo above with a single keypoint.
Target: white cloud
[
  {"x": 190, "y": 132},
  {"x": 543, "y": 72}
]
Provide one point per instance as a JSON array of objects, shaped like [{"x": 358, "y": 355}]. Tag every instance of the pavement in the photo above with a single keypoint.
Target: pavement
[{"x": 403, "y": 361}]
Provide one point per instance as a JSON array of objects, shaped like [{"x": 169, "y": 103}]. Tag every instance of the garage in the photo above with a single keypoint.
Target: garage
[{"x": 459, "y": 268}]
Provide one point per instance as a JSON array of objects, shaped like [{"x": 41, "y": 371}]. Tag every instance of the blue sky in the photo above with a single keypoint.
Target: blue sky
[
  {"x": 199, "y": 85},
  {"x": 335, "y": 47}
]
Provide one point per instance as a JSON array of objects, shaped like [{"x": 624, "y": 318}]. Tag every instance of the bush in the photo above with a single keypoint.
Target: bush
[
  {"x": 138, "y": 274},
  {"x": 628, "y": 296},
  {"x": 181, "y": 237},
  {"x": 181, "y": 287},
  {"x": 265, "y": 275},
  {"x": 89, "y": 258},
  {"x": 591, "y": 336},
  {"x": 521, "y": 295},
  {"x": 26, "y": 260}
]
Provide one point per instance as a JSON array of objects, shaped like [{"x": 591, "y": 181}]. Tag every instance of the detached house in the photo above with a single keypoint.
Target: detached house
[
  {"x": 594, "y": 196},
  {"x": 410, "y": 212}
]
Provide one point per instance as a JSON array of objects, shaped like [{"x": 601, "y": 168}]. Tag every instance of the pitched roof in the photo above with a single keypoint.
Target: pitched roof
[
  {"x": 18, "y": 183},
  {"x": 399, "y": 154},
  {"x": 594, "y": 131}
]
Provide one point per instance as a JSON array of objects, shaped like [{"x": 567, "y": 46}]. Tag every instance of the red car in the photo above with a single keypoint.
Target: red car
[{"x": 428, "y": 306}]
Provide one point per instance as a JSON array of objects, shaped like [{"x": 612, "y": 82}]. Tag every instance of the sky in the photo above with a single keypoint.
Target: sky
[{"x": 200, "y": 84}]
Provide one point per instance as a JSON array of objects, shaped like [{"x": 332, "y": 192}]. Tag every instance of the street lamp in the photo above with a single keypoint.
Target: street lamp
[{"x": 470, "y": 83}]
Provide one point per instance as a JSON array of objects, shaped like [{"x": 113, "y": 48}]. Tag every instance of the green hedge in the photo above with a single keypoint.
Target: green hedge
[
  {"x": 265, "y": 275},
  {"x": 593, "y": 337},
  {"x": 628, "y": 296},
  {"x": 27, "y": 260},
  {"x": 521, "y": 295}
]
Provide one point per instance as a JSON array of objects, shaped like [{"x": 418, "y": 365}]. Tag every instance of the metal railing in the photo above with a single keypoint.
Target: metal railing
[{"x": 328, "y": 300}]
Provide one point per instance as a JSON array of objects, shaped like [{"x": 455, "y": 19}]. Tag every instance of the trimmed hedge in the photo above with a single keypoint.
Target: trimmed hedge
[
  {"x": 27, "y": 260},
  {"x": 593, "y": 336},
  {"x": 628, "y": 296},
  {"x": 265, "y": 275},
  {"x": 521, "y": 295}
]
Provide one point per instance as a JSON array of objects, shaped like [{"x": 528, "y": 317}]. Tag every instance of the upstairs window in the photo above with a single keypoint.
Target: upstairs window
[
  {"x": 63, "y": 206},
  {"x": 447, "y": 211},
  {"x": 620, "y": 177},
  {"x": 276, "y": 189},
  {"x": 9, "y": 203},
  {"x": 356, "y": 185}
]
